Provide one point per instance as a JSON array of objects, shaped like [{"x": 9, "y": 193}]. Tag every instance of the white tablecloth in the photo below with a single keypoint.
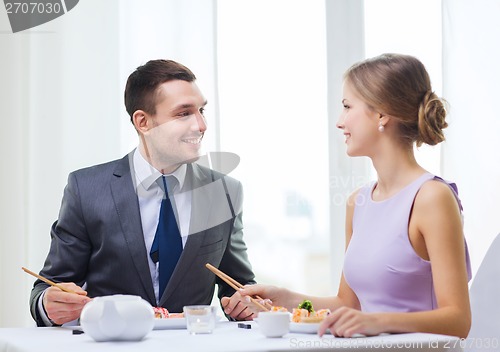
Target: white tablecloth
[{"x": 226, "y": 337}]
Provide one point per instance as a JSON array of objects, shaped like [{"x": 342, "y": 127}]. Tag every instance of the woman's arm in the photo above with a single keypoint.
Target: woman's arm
[{"x": 436, "y": 221}]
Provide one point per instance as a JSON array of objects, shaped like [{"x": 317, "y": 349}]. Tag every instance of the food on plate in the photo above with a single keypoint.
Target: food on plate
[
  {"x": 306, "y": 304},
  {"x": 305, "y": 313},
  {"x": 278, "y": 309},
  {"x": 315, "y": 316},
  {"x": 163, "y": 313}
]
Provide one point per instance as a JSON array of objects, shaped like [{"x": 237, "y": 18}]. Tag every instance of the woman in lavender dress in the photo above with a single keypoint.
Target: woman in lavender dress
[{"x": 406, "y": 263}]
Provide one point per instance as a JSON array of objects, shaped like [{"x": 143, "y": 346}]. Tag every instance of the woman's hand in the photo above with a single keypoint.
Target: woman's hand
[{"x": 347, "y": 322}]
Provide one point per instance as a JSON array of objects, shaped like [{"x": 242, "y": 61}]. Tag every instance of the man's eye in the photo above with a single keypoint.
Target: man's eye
[
  {"x": 346, "y": 106},
  {"x": 202, "y": 111},
  {"x": 184, "y": 113}
]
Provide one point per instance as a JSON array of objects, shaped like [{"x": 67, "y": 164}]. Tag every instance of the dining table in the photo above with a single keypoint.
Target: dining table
[{"x": 227, "y": 336}]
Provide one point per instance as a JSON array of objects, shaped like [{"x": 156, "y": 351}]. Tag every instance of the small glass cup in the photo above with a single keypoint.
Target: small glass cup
[{"x": 200, "y": 319}]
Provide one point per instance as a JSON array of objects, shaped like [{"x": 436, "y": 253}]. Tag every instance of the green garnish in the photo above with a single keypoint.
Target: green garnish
[{"x": 307, "y": 304}]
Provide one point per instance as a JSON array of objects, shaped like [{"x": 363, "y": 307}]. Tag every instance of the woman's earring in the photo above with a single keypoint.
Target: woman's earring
[{"x": 381, "y": 127}]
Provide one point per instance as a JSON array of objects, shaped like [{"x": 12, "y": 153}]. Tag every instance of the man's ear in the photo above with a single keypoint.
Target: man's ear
[{"x": 140, "y": 120}]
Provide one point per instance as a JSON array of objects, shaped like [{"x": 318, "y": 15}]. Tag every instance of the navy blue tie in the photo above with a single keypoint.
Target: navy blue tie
[{"x": 167, "y": 244}]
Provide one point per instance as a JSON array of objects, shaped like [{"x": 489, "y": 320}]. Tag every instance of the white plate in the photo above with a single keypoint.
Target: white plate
[
  {"x": 169, "y": 323},
  {"x": 312, "y": 328},
  {"x": 304, "y": 328}
]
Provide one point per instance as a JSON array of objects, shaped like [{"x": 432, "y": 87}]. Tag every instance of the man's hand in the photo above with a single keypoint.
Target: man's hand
[
  {"x": 236, "y": 307},
  {"x": 62, "y": 307}
]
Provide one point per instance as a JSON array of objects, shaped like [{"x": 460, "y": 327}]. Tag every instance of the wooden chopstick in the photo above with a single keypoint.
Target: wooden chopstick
[
  {"x": 234, "y": 284},
  {"x": 222, "y": 274},
  {"x": 50, "y": 282}
]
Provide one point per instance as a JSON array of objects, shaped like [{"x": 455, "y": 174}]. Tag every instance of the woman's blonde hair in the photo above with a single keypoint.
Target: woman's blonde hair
[{"x": 399, "y": 86}]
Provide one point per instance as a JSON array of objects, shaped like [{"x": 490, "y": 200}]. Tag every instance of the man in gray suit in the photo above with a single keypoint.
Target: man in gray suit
[{"x": 101, "y": 242}]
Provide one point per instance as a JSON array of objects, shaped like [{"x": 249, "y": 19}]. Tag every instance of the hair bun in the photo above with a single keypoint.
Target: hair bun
[{"x": 431, "y": 119}]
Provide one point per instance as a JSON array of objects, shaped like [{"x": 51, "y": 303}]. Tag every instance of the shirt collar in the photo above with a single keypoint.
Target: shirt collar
[{"x": 147, "y": 175}]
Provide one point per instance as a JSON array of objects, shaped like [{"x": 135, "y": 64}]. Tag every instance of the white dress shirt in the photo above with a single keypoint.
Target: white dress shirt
[{"x": 150, "y": 194}]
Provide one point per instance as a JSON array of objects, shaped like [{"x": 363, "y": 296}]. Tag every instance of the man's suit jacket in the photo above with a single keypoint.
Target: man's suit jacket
[{"x": 98, "y": 238}]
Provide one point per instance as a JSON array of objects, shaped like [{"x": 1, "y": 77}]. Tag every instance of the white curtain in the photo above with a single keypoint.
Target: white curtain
[
  {"x": 345, "y": 45},
  {"x": 471, "y": 84},
  {"x": 61, "y": 92}
]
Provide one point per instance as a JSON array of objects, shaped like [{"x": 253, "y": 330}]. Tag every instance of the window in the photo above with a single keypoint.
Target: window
[{"x": 273, "y": 114}]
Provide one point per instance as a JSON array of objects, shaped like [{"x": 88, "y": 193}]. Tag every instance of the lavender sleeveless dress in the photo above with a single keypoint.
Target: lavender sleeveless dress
[{"x": 380, "y": 263}]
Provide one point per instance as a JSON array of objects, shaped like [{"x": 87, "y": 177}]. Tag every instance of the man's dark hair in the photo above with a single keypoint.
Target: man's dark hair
[{"x": 141, "y": 90}]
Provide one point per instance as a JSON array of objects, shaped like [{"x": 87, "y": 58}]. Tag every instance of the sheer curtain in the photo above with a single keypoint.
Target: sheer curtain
[
  {"x": 61, "y": 92},
  {"x": 471, "y": 83},
  {"x": 345, "y": 45},
  {"x": 60, "y": 99}
]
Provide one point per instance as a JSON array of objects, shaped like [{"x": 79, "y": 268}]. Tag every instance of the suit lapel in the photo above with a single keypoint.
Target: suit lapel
[{"x": 127, "y": 207}]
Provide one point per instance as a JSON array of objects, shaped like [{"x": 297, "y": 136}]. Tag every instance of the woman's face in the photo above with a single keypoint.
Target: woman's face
[{"x": 358, "y": 122}]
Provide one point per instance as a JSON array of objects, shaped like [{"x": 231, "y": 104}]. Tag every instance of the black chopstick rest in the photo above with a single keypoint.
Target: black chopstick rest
[
  {"x": 244, "y": 326},
  {"x": 78, "y": 332}
]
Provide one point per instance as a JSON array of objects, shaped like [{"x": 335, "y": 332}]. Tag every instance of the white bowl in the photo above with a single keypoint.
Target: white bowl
[{"x": 274, "y": 324}]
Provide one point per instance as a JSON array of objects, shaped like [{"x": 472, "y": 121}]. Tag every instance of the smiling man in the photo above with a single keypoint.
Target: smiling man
[{"x": 148, "y": 223}]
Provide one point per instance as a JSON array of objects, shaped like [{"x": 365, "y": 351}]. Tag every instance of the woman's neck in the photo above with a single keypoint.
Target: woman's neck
[{"x": 395, "y": 169}]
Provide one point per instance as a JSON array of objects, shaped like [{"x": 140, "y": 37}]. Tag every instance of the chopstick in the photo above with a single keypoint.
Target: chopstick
[
  {"x": 50, "y": 282},
  {"x": 234, "y": 284}
]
